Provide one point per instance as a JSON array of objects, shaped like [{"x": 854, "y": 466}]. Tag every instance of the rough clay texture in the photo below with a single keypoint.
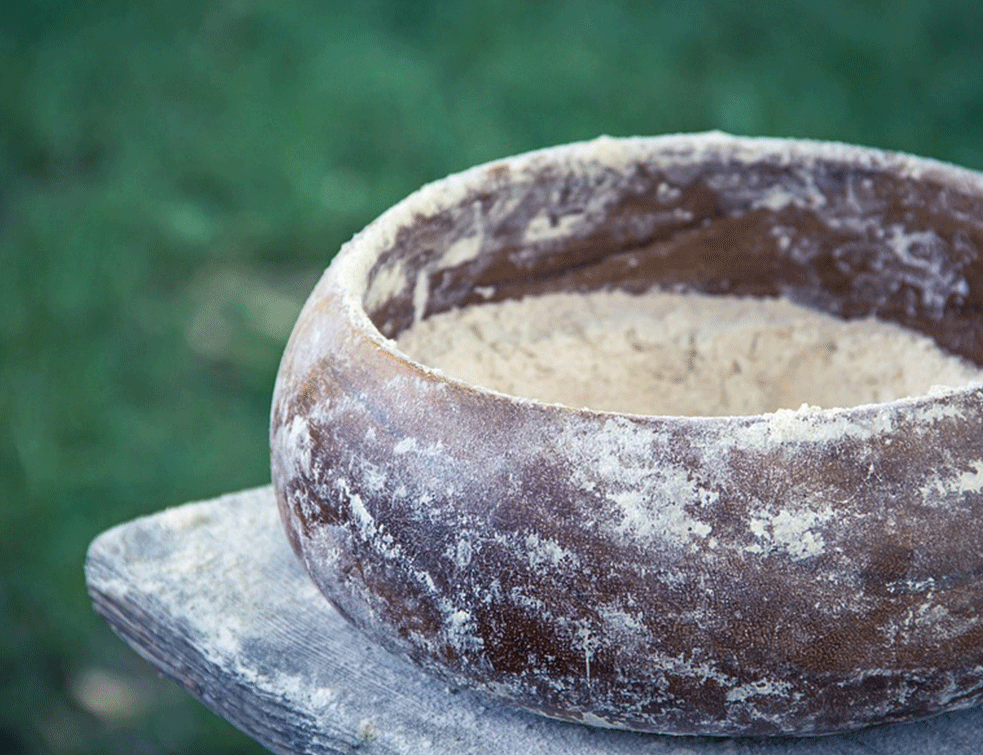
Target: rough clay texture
[
  {"x": 670, "y": 353},
  {"x": 802, "y": 571}
]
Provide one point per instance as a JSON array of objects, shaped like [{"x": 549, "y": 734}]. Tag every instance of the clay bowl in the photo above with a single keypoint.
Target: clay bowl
[{"x": 782, "y": 573}]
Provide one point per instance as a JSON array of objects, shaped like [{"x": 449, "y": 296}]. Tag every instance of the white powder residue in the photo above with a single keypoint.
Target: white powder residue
[{"x": 681, "y": 354}]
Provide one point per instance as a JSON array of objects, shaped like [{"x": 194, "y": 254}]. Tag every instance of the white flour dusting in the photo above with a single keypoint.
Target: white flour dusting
[{"x": 680, "y": 354}]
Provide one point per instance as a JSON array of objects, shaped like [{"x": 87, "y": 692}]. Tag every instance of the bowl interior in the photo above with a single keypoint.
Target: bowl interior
[{"x": 851, "y": 231}]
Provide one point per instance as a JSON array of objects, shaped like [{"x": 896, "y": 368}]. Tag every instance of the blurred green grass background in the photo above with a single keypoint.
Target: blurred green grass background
[{"x": 174, "y": 176}]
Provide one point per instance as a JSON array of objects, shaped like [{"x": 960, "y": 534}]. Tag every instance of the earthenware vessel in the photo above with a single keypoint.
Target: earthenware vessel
[{"x": 797, "y": 572}]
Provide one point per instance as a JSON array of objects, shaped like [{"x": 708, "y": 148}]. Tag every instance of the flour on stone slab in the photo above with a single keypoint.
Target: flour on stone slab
[{"x": 681, "y": 354}]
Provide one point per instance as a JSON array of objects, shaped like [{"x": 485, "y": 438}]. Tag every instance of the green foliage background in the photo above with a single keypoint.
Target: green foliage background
[{"x": 175, "y": 174}]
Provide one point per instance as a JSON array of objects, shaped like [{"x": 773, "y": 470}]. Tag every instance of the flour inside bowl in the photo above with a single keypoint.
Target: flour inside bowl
[{"x": 680, "y": 354}]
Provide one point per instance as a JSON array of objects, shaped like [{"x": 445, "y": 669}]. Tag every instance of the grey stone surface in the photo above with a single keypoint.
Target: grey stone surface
[{"x": 211, "y": 594}]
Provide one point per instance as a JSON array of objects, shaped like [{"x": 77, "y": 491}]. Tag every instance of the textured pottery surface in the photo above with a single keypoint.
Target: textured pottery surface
[{"x": 797, "y": 572}]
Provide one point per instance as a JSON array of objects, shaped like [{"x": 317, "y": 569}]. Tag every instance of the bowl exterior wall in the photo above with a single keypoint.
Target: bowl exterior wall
[{"x": 800, "y": 572}]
